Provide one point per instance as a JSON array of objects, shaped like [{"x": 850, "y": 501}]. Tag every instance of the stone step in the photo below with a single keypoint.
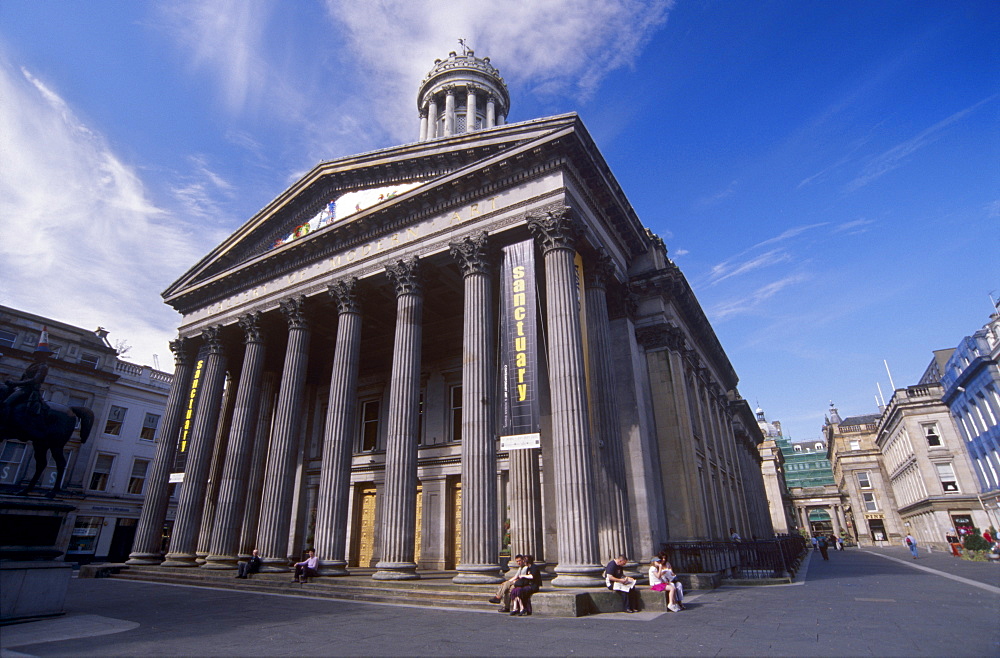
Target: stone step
[{"x": 352, "y": 588}]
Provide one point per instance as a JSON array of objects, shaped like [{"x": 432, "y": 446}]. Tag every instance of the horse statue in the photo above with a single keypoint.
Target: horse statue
[{"x": 48, "y": 431}]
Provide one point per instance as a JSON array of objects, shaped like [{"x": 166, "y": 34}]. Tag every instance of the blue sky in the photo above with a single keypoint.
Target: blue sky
[{"x": 826, "y": 174}]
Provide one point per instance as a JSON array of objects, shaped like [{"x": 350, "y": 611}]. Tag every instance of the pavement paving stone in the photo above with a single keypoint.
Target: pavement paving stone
[{"x": 857, "y": 603}]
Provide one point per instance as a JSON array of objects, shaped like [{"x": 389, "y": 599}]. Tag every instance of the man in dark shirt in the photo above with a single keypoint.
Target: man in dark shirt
[
  {"x": 251, "y": 566},
  {"x": 614, "y": 574}
]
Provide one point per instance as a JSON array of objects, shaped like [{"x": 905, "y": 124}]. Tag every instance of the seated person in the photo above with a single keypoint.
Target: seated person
[
  {"x": 526, "y": 585},
  {"x": 503, "y": 592},
  {"x": 614, "y": 576},
  {"x": 661, "y": 579},
  {"x": 308, "y": 567},
  {"x": 251, "y": 566}
]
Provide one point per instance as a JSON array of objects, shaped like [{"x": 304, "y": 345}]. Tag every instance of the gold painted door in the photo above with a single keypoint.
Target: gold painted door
[
  {"x": 456, "y": 524},
  {"x": 419, "y": 524},
  {"x": 366, "y": 526}
]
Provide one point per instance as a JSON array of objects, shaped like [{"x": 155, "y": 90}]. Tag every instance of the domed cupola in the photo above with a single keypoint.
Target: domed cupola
[{"x": 461, "y": 94}]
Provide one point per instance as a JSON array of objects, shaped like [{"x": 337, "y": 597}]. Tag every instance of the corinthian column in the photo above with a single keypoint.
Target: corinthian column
[
  {"x": 578, "y": 564},
  {"x": 399, "y": 507},
  {"x": 191, "y": 506},
  {"x": 480, "y": 542},
  {"x": 224, "y": 544},
  {"x": 335, "y": 477},
  {"x": 614, "y": 528},
  {"x": 276, "y": 506},
  {"x": 149, "y": 533},
  {"x": 258, "y": 463}
]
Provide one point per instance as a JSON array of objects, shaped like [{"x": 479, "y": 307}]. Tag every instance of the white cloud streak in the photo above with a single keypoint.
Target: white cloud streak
[
  {"x": 749, "y": 303},
  {"x": 897, "y": 155},
  {"x": 80, "y": 241}
]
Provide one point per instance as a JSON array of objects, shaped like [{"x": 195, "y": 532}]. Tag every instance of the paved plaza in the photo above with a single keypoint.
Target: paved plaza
[{"x": 859, "y": 603}]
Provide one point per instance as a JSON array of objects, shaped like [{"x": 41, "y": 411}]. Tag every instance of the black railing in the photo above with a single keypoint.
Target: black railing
[{"x": 762, "y": 558}]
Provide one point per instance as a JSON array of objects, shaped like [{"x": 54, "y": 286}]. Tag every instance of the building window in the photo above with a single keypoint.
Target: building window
[
  {"x": 138, "y": 477},
  {"x": 91, "y": 360},
  {"x": 149, "y": 424},
  {"x": 85, "y": 533},
  {"x": 456, "y": 413},
  {"x": 855, "y": 445},
  {"x": 369, "y": 425},
  {"x": 869, "y": 500},
  {"x": 115, "y": 419},
  {"x": 102, "y": 471},
  {"x": 864, "y": 479},
  {"x": 931, "y": 433},
  {"x": 7, "y": 338},
  {"x": 947, "y": 476},
  {"x": 10, "y": 461}
]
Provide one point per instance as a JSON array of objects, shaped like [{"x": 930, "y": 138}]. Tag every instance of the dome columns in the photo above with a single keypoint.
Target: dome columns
[{"x": 461, "y": 94}]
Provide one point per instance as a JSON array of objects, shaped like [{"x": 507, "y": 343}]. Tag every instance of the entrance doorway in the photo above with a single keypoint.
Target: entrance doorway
[{"x": 121, "y": 541}]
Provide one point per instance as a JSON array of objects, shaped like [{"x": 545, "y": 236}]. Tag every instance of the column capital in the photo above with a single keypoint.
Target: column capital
[
  {"x": 472, "y": 254},
  {"x": 555, "y": 229},
  {"x": 600, "y": 270},
  {"x": 660, "y": 336},
  {"x": 345, "y": 292},
  {"x": 405, "y": 276},
  {"x": 250, "y": 324},
  {"x": 181, "y": 347},
  {"x": 293, "y": 309},
  {"x": 213, "y": 339}
]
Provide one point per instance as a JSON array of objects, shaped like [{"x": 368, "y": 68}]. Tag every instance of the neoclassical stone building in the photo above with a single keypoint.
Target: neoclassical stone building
[{"x": 424, "y": 356}]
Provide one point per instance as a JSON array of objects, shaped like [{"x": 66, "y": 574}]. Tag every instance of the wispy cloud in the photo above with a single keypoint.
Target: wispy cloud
[
  {"x": 750, "y": 303},
  {"x": 80, "y": 240},
  {"x": 735, "y": 267},
  {"x": 718, "y": 197},
  {"x": 743, "y": 263},
  {"x": 897, "y": 155},
  {"x": 854, "y": 227}
]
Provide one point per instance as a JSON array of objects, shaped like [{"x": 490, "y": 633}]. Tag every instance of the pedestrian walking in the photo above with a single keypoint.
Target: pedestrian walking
[
  {"x": 821, "y": 543},
  {"x": 911, "y": 544}
]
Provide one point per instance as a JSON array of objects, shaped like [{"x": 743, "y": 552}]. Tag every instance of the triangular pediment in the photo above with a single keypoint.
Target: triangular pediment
[
  {"x": 357, "y": 185},
  {"x": 374, "y": 191}
]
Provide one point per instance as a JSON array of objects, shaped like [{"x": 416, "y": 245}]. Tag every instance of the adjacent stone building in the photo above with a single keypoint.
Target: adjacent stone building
[
  {"x": 931, "y": 475},
  {"x": 105, "y": 477},
  {"x": 869, "y": 504},
  {"x": 349, "y": 357},
  {"x": 971, "y": 389},
  {"x": 780, "y": 504}
]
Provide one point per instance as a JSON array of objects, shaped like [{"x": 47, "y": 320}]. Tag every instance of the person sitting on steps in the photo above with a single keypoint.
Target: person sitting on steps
[
  {"x": 307, "y": 568},
  {"x": 251, "y": 566},
  {"x": 503, "y": 592}
]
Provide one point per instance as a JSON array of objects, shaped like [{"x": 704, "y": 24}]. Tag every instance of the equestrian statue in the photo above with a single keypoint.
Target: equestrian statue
[{"x": 25, "y": 416}]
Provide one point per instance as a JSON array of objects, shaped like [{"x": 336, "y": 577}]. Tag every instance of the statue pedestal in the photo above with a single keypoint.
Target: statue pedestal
[{"x": 34, "y": 535}]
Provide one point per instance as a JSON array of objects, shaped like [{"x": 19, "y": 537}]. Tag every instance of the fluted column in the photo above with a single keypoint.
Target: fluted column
[
  {"x": 279, "y": 480},
  {"x": 399, "y": 506},
  {"x": 449, "y": 112},
  {"x": 258, "y": 463},
  {"x": 525, "y": 504},
  {"x": 470, "y": 110},
  {"x": 219, "y": 451},
  {"x": 149, "y": 533},
  {"x": 578, "y": 564},
  {"x": 491, "y": 116},
  {"x": 191, "y": 506},
  {"x": 614, "y": 525},
  {"x": 335, "y": 477},
  {"x": 223, "y": 547},
  {"x": 480, "y": 542},
  {"x": 432, "y": 119}
]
